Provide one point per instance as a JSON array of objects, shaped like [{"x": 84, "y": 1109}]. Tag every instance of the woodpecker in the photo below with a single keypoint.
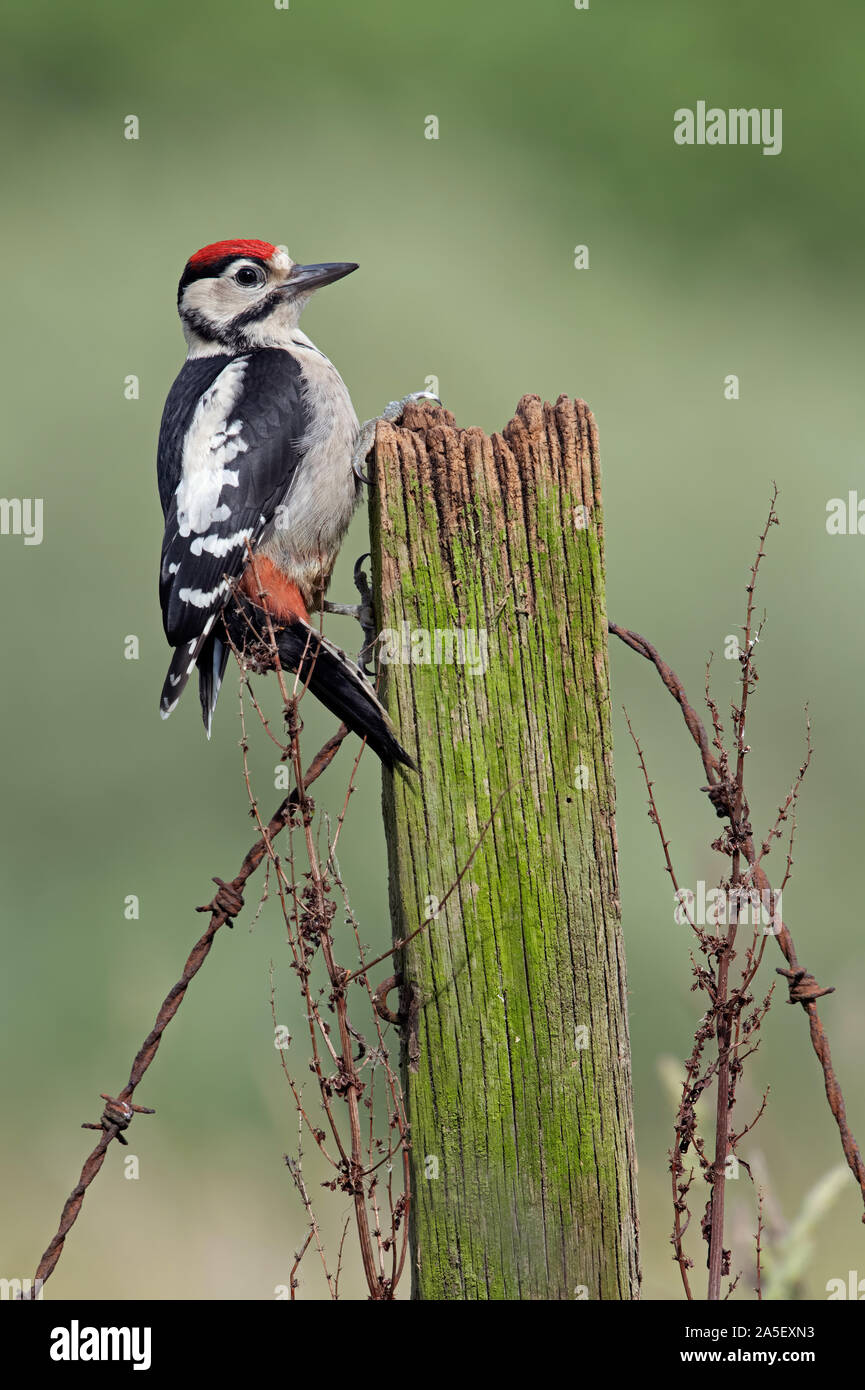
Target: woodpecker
[{"x": 258, "y": 478}]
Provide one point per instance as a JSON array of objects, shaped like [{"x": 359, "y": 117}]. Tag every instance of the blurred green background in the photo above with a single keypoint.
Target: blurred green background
[{"x": 306, "y": 126}]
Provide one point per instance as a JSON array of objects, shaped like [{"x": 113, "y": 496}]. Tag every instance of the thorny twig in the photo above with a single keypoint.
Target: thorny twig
[
  {"x": 726, "y": 792},
  {"x": 309, "y": 930},
  {"x": 223, "y": 908},
  {"x": 380, "y": 1211},
  {"x": 681, "y": 1184},
  {"x": 759, "y": 1238},
  {"x": 295, "y": 1168}
]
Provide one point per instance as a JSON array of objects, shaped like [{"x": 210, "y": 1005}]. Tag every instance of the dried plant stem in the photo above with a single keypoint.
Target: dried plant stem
[
  {"x": 803, "y": 987},
  {"x": 224, "y": 907},
  {"x": 733, "y": 1031}
]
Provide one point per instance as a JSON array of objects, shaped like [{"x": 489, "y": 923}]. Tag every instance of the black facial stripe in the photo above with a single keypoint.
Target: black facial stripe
[
  {"x": 258, "y": 311},
  {"x": 210, "y": 332},
  {"x": 229, "y": 335}
]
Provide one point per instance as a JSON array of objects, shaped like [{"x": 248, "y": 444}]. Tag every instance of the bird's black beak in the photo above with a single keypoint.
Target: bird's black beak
[{"x": 311, "y": 277}]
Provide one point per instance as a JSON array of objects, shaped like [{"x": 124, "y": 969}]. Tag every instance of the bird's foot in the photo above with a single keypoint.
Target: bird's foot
[
  {"x": 366, "y": 438},
  {"x": 362, "y": 611}
]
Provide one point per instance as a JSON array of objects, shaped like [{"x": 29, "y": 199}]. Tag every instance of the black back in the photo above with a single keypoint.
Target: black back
[{"x": 273, "y": 420}]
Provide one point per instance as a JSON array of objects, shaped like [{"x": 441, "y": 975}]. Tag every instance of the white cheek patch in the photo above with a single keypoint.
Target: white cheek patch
[
  {"x": 281, "y": 260},
  {"x": 210, "y": 444}
]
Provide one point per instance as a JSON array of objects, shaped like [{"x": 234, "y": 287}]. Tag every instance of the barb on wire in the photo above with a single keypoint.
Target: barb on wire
[
  {"x": 719, "y": 795},
  {"x": 223, "y": 908},
  {"x": 726, "y": 1021}
]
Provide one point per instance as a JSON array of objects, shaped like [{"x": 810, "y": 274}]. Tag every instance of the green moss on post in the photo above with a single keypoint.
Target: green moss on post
[{"x": 516, "y": 1059}]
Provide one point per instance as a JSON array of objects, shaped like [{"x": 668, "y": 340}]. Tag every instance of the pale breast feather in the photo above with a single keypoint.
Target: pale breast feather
[{"x": 228, "y": 449}]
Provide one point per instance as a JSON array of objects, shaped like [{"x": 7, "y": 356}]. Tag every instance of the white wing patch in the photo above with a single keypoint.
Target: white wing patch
[
  {"x": 219, "y": 545},
  {"x": 199, "y": 598},
  {"x": 211, "y": 443}
]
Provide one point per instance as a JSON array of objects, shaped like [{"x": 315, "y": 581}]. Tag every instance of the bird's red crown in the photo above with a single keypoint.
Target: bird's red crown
[{"x": 218, "y": 250}]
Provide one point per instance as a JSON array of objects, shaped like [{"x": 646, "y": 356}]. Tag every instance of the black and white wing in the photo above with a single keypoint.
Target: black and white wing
[{"x": 228, "y": 448}]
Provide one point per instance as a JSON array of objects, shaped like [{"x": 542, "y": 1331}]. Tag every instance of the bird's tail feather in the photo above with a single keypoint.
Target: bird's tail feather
[
  {"x": 330, "y": 675},
  {"x": 182, "y": 665},
  {"x": 212, "y": 661},
  {"x": 187, "y": 656},
  {"x": 335, "y": 680}
]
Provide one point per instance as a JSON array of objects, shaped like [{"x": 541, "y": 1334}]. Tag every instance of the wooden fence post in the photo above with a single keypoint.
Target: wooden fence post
[{"x": 488, "y": 570}]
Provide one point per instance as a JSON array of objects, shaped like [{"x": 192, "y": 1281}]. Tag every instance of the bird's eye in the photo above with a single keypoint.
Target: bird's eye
[{"x": 249, "y": 276}]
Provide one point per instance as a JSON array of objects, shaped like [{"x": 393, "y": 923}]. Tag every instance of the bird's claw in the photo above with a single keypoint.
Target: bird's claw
[
  {"x": 366, "y": 614},
  {"x": 361, "y": 583},
  {"x": 366, "y": 438},
  {"x": 365, "y": 441},
  {"x": 394, "y": 409},
  {"x": 363, "y": 612}
]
